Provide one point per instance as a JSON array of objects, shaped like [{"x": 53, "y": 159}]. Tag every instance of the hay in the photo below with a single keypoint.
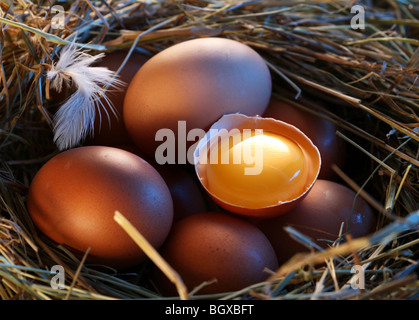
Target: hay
[{"x": 365, "y": 81}]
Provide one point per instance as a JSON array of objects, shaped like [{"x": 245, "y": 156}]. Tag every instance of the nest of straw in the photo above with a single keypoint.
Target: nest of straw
[{"x": 366, "y": 81}]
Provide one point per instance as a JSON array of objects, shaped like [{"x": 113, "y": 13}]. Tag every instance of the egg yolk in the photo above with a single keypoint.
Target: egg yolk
[{"x": 258, "y": 171}]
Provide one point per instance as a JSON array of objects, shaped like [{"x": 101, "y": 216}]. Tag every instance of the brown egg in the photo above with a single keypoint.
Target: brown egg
[
  {"x": 216, "y": 245},
  {"x": 195, "y": 81},
  {"x": 73, "y": 198},
  {"x": 188, "y": 199},
  {"x": 111, "y": 131},
  {"x": 321, "y": 131},
  {"x": 187, "y": 196},
  {"x": 320, "y": 216}
]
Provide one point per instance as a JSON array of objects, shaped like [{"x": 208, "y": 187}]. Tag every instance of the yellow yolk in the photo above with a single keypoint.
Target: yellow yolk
[{"x": 262, "y": 170}]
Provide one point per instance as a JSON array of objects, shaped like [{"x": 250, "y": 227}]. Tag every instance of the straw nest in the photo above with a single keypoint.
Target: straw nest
[{"x": 365, "y": 80}]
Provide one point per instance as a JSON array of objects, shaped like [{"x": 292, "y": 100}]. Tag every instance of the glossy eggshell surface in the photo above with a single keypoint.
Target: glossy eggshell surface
[
  {"x": 216, "y": 245},
  {"x": 188, "y": 198},
  {"x": 319, "y": 216},
  {"x": 321, "y": 131},
  {"x": 196, "y": 81},
  {"x": 73, "y": 198}
]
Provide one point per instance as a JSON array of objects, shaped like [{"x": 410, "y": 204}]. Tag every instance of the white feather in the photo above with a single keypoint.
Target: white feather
[{"x": 76, "y": 117}]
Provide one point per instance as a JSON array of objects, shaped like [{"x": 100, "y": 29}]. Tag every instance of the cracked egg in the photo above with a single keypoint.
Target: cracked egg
[{"x": 255, "y": 166}]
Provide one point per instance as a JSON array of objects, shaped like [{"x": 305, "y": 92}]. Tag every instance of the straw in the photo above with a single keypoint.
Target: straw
[{"x": 365, "y": 81}]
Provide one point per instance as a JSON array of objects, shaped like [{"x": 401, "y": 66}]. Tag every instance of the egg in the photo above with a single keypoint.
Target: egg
[
  {"x": 195, "y": 82},
  {"x": 214, "y": 245},
  {"x": 188, "y": 198},
  {"x": 320, "y": 215},
  {"x": 321, "y": 131},
  {"x": 109, "y": 126},
  {"x": 73, "y": 197},
  {"x": 254, "y": 166}
]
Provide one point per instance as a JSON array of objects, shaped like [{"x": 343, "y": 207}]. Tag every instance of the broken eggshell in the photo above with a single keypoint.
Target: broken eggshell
[{"x": 312, "y": 161}]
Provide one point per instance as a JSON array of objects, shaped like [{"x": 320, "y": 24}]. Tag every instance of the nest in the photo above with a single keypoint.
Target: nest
[{"x": 365, "y": 79}]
